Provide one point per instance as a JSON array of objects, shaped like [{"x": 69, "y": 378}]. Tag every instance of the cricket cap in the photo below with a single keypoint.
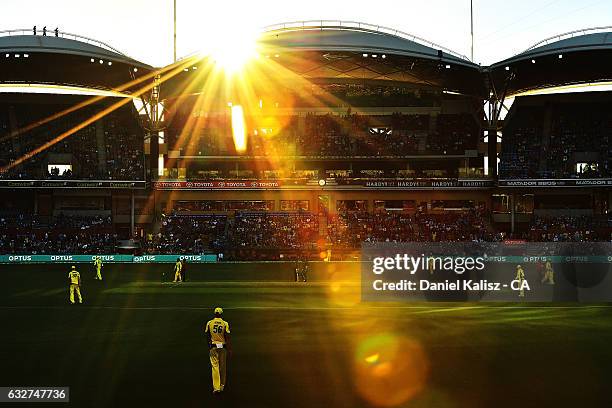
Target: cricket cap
[{"x": 218, "y": 310}]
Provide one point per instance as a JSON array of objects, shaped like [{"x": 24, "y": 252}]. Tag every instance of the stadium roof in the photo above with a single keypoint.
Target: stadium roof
[
  {"x": 325, "y": 51},
  {"x": 580, "y": 56},
  {"x": 335, "y": 35},
  {"x": 67, "y": 59},
  {"x": 580, "y": 40}
]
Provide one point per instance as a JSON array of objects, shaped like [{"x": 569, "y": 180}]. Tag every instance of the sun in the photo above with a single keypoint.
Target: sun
[{"x": 233, "y": 49}]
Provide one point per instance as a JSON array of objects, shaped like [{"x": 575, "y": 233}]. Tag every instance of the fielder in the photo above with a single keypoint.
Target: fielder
[
  {"x": 98, "y": 265},
  {"x": 297, "y": 271},
  {"x": 520, "y": 276},
  {"x": 305, "y": 269},
  {"x": 75, "y": 284},
  {"x": 328, "y": 254},
  {"x": 301, "y": 271},
  {"x": 178, "y": 267},
  {"x": 549, "y": 277},
  {"x": 217, "y": 334}
]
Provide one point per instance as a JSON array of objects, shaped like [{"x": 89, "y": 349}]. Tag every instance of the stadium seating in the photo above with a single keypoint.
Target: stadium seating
[
  {"x": 189, "y": 235},
  {"x": 350, "y": 229},
  {"x": 332, "y": 136},
  {"x": 27, "y": 234},
  {"x": 249, "y": 235},
  {"x": 274, "y": 233},
  {"x": 108, "y": 149},
  {"x": 568, "y": 228},
  {"x": 563, "y": 140}
]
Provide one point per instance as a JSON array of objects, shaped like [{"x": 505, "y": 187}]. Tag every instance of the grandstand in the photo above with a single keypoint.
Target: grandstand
[
  {"x": 371, "y": 118},
  {"x": 354, "y": 134}
]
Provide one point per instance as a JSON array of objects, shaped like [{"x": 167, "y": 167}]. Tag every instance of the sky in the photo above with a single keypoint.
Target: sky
[{"x": 143, "y": 29}]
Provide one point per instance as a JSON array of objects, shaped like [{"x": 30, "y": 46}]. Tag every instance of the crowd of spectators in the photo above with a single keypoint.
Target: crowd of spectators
[
  {"x": 394, "y": 135},
  {"x": 26, "y": 127},
  {"x": 328, "y": 135},
  {"x": 64, "y": 234},
  {"x": 350, "y": 229},
  {"x": 124, "y": 146},
  {"x": 188, "y": 235},
  {"x": 583, "y": 129},
  {"x": 290, "y": 230},
  {"x": 557, "y": 141},
  {"x": 368, "y": 95},
  {"x": 520, "y": 148},
  {"x": 281, "y": 235},
  {"x": 248, "y": 235},
  {"x": 454, "y": 134},
  {"x": 569, "y": 228}
]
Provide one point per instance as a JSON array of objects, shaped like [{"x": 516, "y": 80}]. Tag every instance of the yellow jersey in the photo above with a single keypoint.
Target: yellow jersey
[
  {"x": 217, "y": 328},
  {"x": 74, "y": 277},
  {"x": 98, "y": 263}
]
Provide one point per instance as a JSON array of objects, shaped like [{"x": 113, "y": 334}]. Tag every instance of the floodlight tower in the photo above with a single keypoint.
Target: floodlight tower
[
  {"x": 471, "y": 28},
  {"x": 153, "y": 110},
  {"x": 174, "y": 31}
]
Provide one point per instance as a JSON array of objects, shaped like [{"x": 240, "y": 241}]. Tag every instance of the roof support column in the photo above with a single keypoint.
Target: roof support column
[{"x": 492, "y": 152}]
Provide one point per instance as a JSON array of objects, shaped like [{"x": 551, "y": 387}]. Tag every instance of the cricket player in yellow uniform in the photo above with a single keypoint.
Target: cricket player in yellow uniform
[
  {"x": 549, "y": 276},
  {"x": 178, "y": 267},
  {"x": 327, "y": 255},
  {"x": 217, "y": 333},
  {"x": 98, "y": 265},
  {"x": 520, "y": 276},
  {"x": 75, "y": 284}
]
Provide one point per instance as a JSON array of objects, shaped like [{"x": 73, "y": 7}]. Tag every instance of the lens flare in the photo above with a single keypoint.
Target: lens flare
[
  {"x": 233, "y": 50},
  {"x": 390, "y": 370},
  {"x": 239, "y": 129},
  {"x": 344, "y": 288}
]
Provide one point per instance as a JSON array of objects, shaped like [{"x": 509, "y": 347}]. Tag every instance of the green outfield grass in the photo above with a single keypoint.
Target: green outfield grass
[{"x": 138, "y": 342}]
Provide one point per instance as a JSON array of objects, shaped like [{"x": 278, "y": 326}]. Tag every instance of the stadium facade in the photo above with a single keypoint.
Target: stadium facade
[{"x": 344, "y": 119}]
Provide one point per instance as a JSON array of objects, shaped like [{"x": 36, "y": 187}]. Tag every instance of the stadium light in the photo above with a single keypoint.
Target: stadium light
[
  {"x": 447, "y": 66},
  {"x": 365, "y": 55},
  {"x": 560, "y": 56},
  {"x": 135, "y": 69},
  {"x": 26, "y": 55},
  {"x": 533, "y": 61},
  {"x": 507, "y": 68},
  {"x": 110, "y": 63},
  {"x": 383, "y": 56},
  {"x": 101, "y": 62},
  {"x": 92, "y": 60}
]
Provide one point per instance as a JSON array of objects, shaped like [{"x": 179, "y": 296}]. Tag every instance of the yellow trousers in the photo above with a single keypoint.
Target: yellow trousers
[
  {"x": 75, "y": 288},
  {"x": 178, "y": 277},
  {"x": 98, "y": 273},
  {"x": 521, "y": 291},
  {"x": 218, "y": 357},
  {"x": 549, "y": 277}
]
